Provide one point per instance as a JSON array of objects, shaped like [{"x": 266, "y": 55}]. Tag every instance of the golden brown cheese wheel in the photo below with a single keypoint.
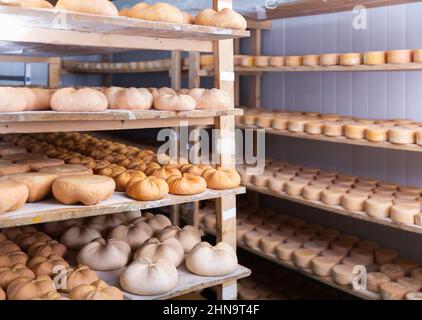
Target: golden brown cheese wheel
[
  {"x": 285, "y": 251},
  {"x": 366, "y": 256},
  {"x": 343, "y": 274},
  {"x": 375, "y": 57},
  {"x": 392, "y": 291},
  {"x": 399, "y": 56},
  {"x": 376, "y": 133},
  {"x": 276, "y": 61},
  {"x": 355, "y": 130},
  {"x": 316, "y": 245},
  {"x": 322, "y": 266},
  {"x": 350, "y": 59},
  {"x": 226, "y": 18},
  {"x": 333, "y": 129},
  {"x": 370, "y": 245},
  {"x": 261, "y": 61},
  {"x": 293, "y": 61},
  {"x": 334, "y": 254},
  {"x": 46, "y": 249},
  {"x": 393, "y": 271},
  {"x": 67, "y": 170},
  {"x": 344, "y": 246},
  {"x": 302, "y": 258}
]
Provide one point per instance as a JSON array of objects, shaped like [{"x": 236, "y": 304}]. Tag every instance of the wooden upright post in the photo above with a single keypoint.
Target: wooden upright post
[
  {"x": 54, "y": 73},
  {"x": 256, "y": 79},
  {"x": 226, "y": 206}
]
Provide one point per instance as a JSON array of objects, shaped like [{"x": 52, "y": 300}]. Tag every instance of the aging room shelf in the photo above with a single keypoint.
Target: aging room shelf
[
  {"x": 187, "y": 282},
  {"x": 51, "y": 210},
  {"x": 43, "y": 32},
  {"x": 337, "y": 209},
  {"x": 363, "y": 294},
  {"x": 51, "y": 121},
  {"x": 343, "y": 140}
]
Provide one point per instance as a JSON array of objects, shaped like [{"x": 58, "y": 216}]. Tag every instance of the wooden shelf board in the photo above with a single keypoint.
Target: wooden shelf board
[
  {"x": 337, "y": 209},
  {"x": 43, "y": 32},
  {"x": 51, "y": 121},
  {"x": 381, "y": 67},
  {"x": 313, "y": 7},
  {"x": 342, "y": 140},
  {"x": 51, "y": 210},
  {"x": 187, "y": 282}
]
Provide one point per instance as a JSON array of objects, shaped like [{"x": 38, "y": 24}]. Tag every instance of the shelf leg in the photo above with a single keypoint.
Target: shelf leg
[{"x": 54, "y": 73}]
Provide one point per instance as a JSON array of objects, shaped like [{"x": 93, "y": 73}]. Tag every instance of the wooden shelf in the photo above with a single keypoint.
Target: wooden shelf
[
  {"x": 52, "y": 121},
  {"x": 187, "y": 283},
  {"x": 313, "y": 7},
  {"x": 42, "y": 32},
  {"x": 342, "y": 140},
  {"x": 126, "y": 67},
  {"x": 363, "y": 294},
  {"x": 382, "y": 67},
  {"x": 338, "y": 210},
  {"x": 51, "y": 210}
]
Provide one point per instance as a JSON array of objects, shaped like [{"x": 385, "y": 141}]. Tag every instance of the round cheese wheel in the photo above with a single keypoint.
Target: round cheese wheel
[
  {"x": 366, "y": 256},
  {"x": 329, "y": 234},
  {"x": 13, "y": 168},
  {"x": 370, "y": 245},
  {"x": 293, "y": 61},
  {"x": 265, "y": 229},
  {"x": 404, "y": 213},
  {"x": 306, "y": 234},
  {"x": 129, "y": 98},
  {"x": 322, "y": 266},
  {"x": 392, "y": 291},
  {"x": 264, "y": 120},
  {"x": 376, "y": 133},
  {"x": 417, "y": 55},
  {"x": 102, "y": 7},
  {"x": 350, "y": 59},
  {"x": 354, "y": 201},
  {"x": 378, "y": 208},
  {"x": 332, "y": 197},
  {"x": 344, "y": 246},
  {"x": 247, "y": 61},
  {"x": 311, "y": 60},
  {"x": 38, "y": 164},
  {"x": 412, "y": 284},
  {"x": 295, "y": 187},
  {"x": 399, "y": 56},
  {"x": 316, "y": 245},
  {"x": 333, "y": 129},
  {"x": 211, "y": 98},
  {"x": 261, "y": 61},
  {"x": 393, "y": 271},
  {"x": 296, "y": 240},
  {"x": 13, "y": 195},
  {"x": 410, "y": 189},
  {"x": 279, "y": 123},
  {"x": 276, "y": 184},
  {"x": 8, "y": 274},
  {"x": 226, "y": 18},
  {"x": 302, "y": 258},
  {"x": 385, "y": 191},
  {"x": 74, "y": 277},
  {"x": 329, "y": 59},
  {"x": 297, "y": 125},
  {"x": 407, "y": 265},
  {"x": 313, "y": 192},
  {"x": 221, "y": 179},
  {"x": 343, "y": 274},
  {"x": 276, "y": 61},
  {"x": 157, "y": 12},
  {"x": 314, "y": 127},
  {"x": 268, "y": 244},
  {"x": 375, "y": 57},
  {"x": 281, "y": 235},
  {"x": 375, "y": 279},
  {"x": 285, "y": 251},
  {"x": 175, "y": 102},
  {"x": 355, "y": 130},
  {"x": 419, "y": 137},
  {"x": 402, "y": 135},
  {"x": 241, "y": 230},
  {"x": 260, "y": 181},
  {"x": 252, "y": 239},
  {"x": 134, "y": 234},
  {"x": 349, "y": 238},
  {"x": 336, "y": 255}
]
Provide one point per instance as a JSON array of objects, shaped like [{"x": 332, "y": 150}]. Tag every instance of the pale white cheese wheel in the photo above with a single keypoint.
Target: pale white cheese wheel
[
  {"x": 374, "y": 280},
  {"x": 393, "y": 271},
  {"x": 354, "y": 201},
  {"x": 316, "y": 127},
  {"x": 302, "y": 258},
  {"x": 332, "y": 197},
  {"x": 333, "y": 129},
  {"x": 350, "y": 59},
  {"x": 414, "y": 296},
  {"x": 329, "y": 59},
  {"x": 392, "y": 291},
  {"x": 419, "y": 137},
  {"x": 264, "y": 120},
  {"x": 322, "y": 266},
  {"x": 295, "y": 187},
  {"x": 297, "y": 125},
  {"x": 276, "y": 184},
  {"x": 336, "y": 255},
  {"x": 153, "y": 249},
  {"x": 316, "y": 245},
  {"x": 355, "y": 130},
  {"x": 378, "y": 208},
  {"x": 312, "y": 192},
  {"x": 285, "y": 251},
  {"x": 252, "y": 239},
  {"x": 280, "y": 123},
  {"x": 310, "y": 60},
  {"x": 384, "y": 191},
  {"x": 268, "y": 244},
  {"x": 260, "y": 181},
  {"x": 402, "y": 135},
  {"x": 376, "y": 133},
  {"x": 366, "y": 256},
  {"x": 343, "y": 274},
  {"x": 404, "y": 213}
]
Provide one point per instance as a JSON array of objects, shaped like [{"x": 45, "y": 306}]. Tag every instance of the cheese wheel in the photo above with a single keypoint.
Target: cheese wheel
[
  {"x": 350, "y": 59},
  {"x": 374, "y": 280},
  {"x": 392, "y": 291},
  {"x": 385, "y": 191},
  {"x": 332, "y": 197},
  {"x": 261, "y": 61},
  {"x": 404, "y": 213},
  {"x": 418, "y": 219},
  {"x": 249, "y": 119},
  {"x": 302, "y": 258},
  {"x": 406, "y": 195},
  {"x": 268, "y": 244},
  {"x": 265, "y": 229},
  {"x": 264, "y": 120},
  {"x": 376, "y": 133},
  {"x": 393, "y": 271},
  {"x": 330, "y": 234},
  {"x": 295, "y": 187},
  {"x": 336, "y": 255},
  {"x": 276, "y": 61},
  {"x": 314, "y": 127},
  {"x": 412, "y": 284},
  {"x": 354, "y": 201},
  {"x": 378, "y": 208},
  {"x": 261, "y": 180},
  {"x": 279, "y": 123},
  {"x": 407, "y": 265},
  {"x": 296, "y": 240},
  {"x": 333, "y": 129},
  {"x": 13, "y": 168},
  {"x": 415, "y": 190},
  {"x": 370, "y": 245},
  {"x": 312, "y": 192},
  {"x": 355, "y": 130},
  {"x": 344, "y": 246},
  {"x": 417, "y": 55},
  {"x": 399, "y": 56},
  {"x": 311, "y": 60},
  {"x": 375, "y": 57},
  {"x": 349, "y": 238},
  {"x": 305, "y": 234},
  {"x": 322, "y": 266},
  {"x": 329, "y": 59},
  {"x": 414, "y": 296},
  {"x": 293, "y": 61},
  {"x": 343, "y": 274},
  {"x": 252, "y": 239},
  {"x": 296, "y": 125},
  {"x": 285, "y": 251},
  {"x": 67, "y": 170},
  {"x": 276, "y": 184},
  {"x": 402, "y": 135},
  {"x": 316, "y": 245},
  {"x": 366, "y": 256}
]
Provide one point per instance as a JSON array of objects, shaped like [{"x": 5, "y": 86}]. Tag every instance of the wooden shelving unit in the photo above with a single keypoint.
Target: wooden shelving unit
[
  {"x": 337, "y": 209},
  {"x": 42, "y": 33},
  {"x": 342, "y": 140}
]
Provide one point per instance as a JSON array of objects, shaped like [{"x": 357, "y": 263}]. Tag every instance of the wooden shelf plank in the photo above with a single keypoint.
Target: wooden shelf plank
[
  {"x": 51, "y": 210},
  {"x": 42, "y": 32},
  {"x": 51, "y": 121},
  {"x": 187, "y": 283},
  {"x": 338, "y": 210},
  {"x": 313, "y": 7},
  {"x": 342, "y": 140}
]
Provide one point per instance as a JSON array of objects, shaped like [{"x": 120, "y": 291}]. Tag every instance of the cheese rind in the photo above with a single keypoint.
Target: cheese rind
[
  {"x": 402, "y": 135},
  {"x": 375, "y": 279},
  {"x": 302, "y": 258},
  {"x": 293, "y": 61},
  {"x": 322, "y": 266},
  {"x": 355, "y": 130},
  {"x": 378, "y": 208},
  {"x": 393, "y": 271},
  {"x": 312, "y": 192},
  {"x": 404, "y": 213},
  {"x": 392, "y": 291},
  {"x": 285, "y": 251},
  {"x": 329, "y": 59},
  {"x": 351, "y": 59},
  {"x": 354, "y": 201},
  {"x": 343, "y": 274},
  {"x": 310, "y": 60},
  {"x": 399, "y": 56},
  {"x": 375, "y": 57}
]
